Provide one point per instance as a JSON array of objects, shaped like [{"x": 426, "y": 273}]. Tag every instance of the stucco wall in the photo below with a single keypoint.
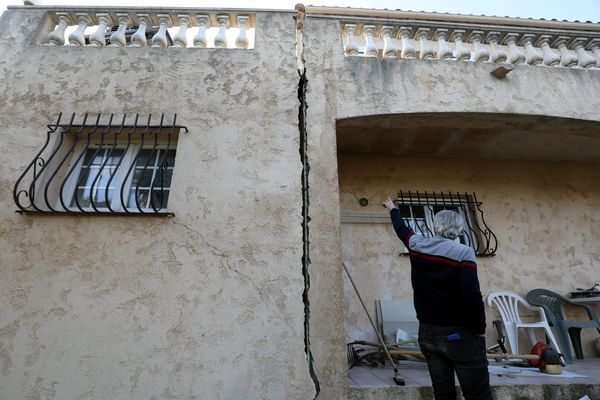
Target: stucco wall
[
  {"x": 205, "y": 305},
  {"x": 545, "y": 216}
]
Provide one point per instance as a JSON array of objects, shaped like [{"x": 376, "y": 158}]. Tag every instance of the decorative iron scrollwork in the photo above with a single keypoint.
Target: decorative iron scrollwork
[
  {"x": 417, "y": 210},
  {"x": 101, "y": 168}
]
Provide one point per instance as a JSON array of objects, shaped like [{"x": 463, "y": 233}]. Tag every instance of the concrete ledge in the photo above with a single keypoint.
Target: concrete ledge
[{"x": 502, "y": 392}]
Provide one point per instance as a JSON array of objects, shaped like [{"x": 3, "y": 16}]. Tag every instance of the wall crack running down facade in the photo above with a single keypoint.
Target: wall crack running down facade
[{"x": 303, "y": 140}]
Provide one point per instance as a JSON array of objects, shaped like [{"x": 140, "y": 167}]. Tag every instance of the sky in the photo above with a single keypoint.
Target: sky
[{"x": 581, "y": 10}]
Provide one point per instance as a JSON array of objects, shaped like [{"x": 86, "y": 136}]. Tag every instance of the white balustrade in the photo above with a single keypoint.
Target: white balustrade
[
  {"x": 550, "y": 57},
  {"x": 426, "y": 52},
  {"x": 221, "y": 38},
  {"x": 242, "y": 42},
  {"x": 515, "y": 54},
  {"x": 585, "y": 60},
  {"x": 497, "y": 54},
  {"x": 480, "y": 52},
  {"x": 408, "y": 50},
  {"x": 492, "y": 43},
  {"x": 98, "y": 39},
  {"x": 533, "y": 56},
  {"x": 139, "y": 37},
  {"x": 351, "y": 48},
  {"x": 77, "y": 37},
  {"x": 117, "y": 39},
  {"x": 594, "y": 47},
  {"x": 200, "y": 38},
  {"x": 444, "y": 50},
  {"x": 57, "y": 36},
  {"x": 180, "y": 38},
  {"x": 160, "y": 38},
  {"x": 389, "y": 49},
  {"x": 462, "y": 51},
  {"x": 113, "y": 27},
  {"x": 567, "y": 58},
  {"x": 370, "y": 48}
]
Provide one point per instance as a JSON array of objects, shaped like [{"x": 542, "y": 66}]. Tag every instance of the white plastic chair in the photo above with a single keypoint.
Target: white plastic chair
[{"x": 508, "y": 304}]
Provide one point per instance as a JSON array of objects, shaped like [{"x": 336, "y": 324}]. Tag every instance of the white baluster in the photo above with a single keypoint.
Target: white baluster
[
  {"x": 138, "y": 39},
  {"x": 586, "y": 60},
  {"x": 370, "y": 48},
  {"x": 533, "y": 56},
  {"x": 551, "y": 57},
  {"x": 200, "y": 38},
  {"x": 389, "y": 50},
  {"x": 57, "y": 36},
  {"x": 351, "y": 45},
  {"x": 408, "y": 50},
  {"x": 594, "y": 47},
  {"x": 462, "y": 52},
  {"x": 98, "y": 38},
  {"x": 567, "y": 59},
  {"x": 242, "y": 41},
  {"x": 160, "y": 38},
  {"x": 497, "y": 54},
  {"x": 117, "y": 39},
  {"x": 480, "y": 51},
  {"x": 444, "y": 50},
  {"x": 426, "y": 52},
  {"x": 515, "y": 55},
  {"x": 77, "y": 38},
  {"x": 221, "y": 38},
  {"x": 180, "y": 38}
]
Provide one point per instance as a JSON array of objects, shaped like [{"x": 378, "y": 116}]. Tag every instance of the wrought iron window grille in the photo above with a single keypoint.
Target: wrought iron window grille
[
  {"x": 101, "y": 168},
  {"x": 417, "y": 209}
]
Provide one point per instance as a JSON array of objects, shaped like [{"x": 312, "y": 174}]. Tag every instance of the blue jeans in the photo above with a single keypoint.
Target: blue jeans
[{"x": 450, "y": 350}]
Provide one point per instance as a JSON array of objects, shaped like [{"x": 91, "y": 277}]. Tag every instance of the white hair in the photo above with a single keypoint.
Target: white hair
[{"x": 448, "y": 223}]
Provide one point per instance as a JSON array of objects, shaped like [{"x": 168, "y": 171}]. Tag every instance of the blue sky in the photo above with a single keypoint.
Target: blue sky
[{"x": 582, "y": 10}]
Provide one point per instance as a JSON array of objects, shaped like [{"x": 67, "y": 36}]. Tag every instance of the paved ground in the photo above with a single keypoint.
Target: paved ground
[{"x": 415, "y": 374}]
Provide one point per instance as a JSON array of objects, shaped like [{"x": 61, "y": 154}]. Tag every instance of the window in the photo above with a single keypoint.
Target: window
[
  {"x": 101, "y": 169},
  {"x": 417, "y": 210}
]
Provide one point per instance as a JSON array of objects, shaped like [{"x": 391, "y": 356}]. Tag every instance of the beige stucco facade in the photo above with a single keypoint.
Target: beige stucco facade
[{"x": 207, "y": 304}]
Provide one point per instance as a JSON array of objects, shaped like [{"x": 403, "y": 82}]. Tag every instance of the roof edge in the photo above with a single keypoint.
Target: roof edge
[{"x": 447, "y": 17}]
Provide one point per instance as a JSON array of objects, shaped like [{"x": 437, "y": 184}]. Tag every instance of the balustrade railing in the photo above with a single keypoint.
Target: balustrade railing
[
  {"x": 146, "y": 28},
  {"x": 469, "y": 42}
]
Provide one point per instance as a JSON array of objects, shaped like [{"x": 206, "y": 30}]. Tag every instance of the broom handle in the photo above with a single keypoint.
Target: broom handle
[{"x": 387, "y": 352}]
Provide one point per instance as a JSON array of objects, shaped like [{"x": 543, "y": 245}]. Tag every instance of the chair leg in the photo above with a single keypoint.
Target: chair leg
[
  {"x": 531, "y": 335},
  {"x": 565, "y": 345},
  {"x": 575, "y": 334},
  {"x": 513, "y": 337},
  {"x": 550, "y": 336}
]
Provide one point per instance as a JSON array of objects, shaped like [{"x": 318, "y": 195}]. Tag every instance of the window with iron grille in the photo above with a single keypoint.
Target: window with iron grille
[
  {"x": 417, "y": 210},
  {"x": 113, "y": 168}
]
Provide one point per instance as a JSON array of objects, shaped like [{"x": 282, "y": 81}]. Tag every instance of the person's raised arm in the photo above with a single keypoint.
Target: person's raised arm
[{"x": 403, "y": 231}]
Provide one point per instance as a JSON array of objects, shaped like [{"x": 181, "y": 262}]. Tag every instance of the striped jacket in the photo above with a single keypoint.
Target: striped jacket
[{"x": 444, "y": 279}]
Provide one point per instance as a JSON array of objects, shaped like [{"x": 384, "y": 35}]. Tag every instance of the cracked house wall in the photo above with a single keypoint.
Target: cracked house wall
[
  {"x": 207, "y": 304},
  {"x": 350, "y": 87}
]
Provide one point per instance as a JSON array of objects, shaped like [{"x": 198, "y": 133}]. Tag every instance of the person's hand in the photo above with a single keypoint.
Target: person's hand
[{"x": 389, "y": 204}]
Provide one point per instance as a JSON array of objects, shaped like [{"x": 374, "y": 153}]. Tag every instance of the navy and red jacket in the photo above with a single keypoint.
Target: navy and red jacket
[{"x": 444, "y": 279}]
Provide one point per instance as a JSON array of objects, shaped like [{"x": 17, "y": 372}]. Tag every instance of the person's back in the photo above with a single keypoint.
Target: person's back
[
  {"x": 449, "y": 306},
  {"x": 445, "y": 285}
]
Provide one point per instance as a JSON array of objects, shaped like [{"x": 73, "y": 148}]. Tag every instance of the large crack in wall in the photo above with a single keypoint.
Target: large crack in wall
[{"x": 302, "y": 87}]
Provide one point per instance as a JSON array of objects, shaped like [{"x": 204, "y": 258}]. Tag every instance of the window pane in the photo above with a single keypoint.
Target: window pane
[
  {"x": 83, "y": 198},
  {"x": 91, "y": 174},
  {"x": 418, "y": 212},
  {"x": 142, "y": 198},
  {"x": 160, "y": 197},
  {"x": 141, "y": 177},
  {"x": 404, "y": 211}
]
